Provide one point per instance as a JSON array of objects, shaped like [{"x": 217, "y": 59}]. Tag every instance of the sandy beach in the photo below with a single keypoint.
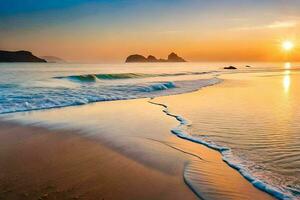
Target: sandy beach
[
  {"x": 82, "y": 153},
  {"x": 36, "y": 163}
]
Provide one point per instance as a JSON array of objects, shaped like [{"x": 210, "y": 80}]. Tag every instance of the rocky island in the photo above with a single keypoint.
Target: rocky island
[
  {"x": 136, "y": 58},
  {"x": 19, "y": 56}
]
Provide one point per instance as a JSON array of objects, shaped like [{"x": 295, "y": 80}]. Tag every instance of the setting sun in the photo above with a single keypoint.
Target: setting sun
[{"x": 287, "y": 45}]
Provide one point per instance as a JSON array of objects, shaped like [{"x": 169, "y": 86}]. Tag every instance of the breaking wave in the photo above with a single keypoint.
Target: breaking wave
[
  {"x": 95, "y": 77},
  {"x": 18, "y": 99}
]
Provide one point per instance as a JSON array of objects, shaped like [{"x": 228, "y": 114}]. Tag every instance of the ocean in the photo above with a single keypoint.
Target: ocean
[{"x": 250, "y": 115}]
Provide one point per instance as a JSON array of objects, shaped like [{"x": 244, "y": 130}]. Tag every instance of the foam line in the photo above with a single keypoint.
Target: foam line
[{"x": 225, "y": 152}]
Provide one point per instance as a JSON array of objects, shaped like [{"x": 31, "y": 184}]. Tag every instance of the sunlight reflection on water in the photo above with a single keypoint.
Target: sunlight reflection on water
[{"x": 286, "y": 82}]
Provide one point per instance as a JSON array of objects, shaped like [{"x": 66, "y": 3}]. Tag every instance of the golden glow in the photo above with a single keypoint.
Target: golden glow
[
  {"x": 287, "y": 65},
  {"x": 286, "y": 82},
  {"x": 288, "y": 45}
]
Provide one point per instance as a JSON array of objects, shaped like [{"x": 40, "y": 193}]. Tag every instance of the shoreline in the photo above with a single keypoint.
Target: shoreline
[
  {"x": 249, "y": 191},
  {"x": 179, "y": 132}
]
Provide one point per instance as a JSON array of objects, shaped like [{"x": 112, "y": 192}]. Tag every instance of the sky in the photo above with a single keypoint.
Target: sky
[{"x": 110, "y": 30}]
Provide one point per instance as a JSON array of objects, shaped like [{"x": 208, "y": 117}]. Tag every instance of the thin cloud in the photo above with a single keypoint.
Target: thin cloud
[
  {"x": 274, "y": 25},
  {"x": 286, "y": 24}
]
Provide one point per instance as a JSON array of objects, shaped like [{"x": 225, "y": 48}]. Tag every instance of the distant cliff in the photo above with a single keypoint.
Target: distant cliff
[
  {"x": 139, "y": 58},
  {"x": 19, "y": 56}
]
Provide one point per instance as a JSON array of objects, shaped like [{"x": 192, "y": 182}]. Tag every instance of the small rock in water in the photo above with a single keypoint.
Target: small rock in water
[
  {"x": 230, "y": 67},
  {"x": 248, "y": 66}
]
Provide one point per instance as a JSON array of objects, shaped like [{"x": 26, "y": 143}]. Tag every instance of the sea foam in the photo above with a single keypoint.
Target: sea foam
[
  {"x": 88, "y": 89},
  {"x": 227, "y": 156}
]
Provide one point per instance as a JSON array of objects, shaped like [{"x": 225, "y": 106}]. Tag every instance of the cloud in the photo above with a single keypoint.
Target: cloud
[
  {"x": 274, "y": 25},
  {"x": 283, "y": 24}
]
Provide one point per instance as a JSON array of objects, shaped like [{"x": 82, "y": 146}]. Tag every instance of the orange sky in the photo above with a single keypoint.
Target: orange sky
[{"x": 97, "y": 31}]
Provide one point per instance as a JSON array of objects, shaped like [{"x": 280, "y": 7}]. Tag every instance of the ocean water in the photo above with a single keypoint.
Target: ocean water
[
  {"x": 34, "y": 86},
  {"x": 251, "y": 115},
  {"x": 25, "y": 87}
]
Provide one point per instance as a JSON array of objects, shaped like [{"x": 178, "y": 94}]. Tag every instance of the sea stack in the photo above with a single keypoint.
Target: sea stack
[
  {"x": 151, "y": 58},
  {"x": 173, "y": 57},
  {"x": 136, "y": 58}
]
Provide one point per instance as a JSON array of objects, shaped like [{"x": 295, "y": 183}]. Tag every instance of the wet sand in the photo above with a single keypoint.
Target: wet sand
[
  {"x": 36, "y": 163},
  {"x": 110, "y": 150}
]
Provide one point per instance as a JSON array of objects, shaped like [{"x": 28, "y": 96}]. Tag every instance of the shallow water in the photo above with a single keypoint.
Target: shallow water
[{"x": 256, "y": 117}]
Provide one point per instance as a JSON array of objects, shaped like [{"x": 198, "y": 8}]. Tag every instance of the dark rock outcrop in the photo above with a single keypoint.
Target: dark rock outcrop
[
  {"x": 173, "y": 57},
  {"x": 230, "y": 67},
  {"x": 136, "y": 58},
  {"x": 19, "y": 56},
  {"x": 151, "y": 58},
  {"x": 139, "y": 58}
]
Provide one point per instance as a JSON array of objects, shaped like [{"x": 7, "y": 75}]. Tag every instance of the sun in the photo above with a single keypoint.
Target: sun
[{"x": 287, "y": 45}]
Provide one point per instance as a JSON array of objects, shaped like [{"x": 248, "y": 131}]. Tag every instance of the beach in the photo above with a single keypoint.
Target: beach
[
  {"x": 59, "y": 153},
  {"x": 40, "y": 164},
  {"x": 210, "y": 134}
]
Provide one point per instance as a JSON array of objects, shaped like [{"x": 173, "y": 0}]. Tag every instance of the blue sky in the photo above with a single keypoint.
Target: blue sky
[{"x": 12, "y": 7}]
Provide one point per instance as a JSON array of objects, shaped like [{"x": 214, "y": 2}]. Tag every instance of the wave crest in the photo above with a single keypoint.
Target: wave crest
[
  {"x": 95, "y": 77},
  {"x": 83, "y": 78},
  {"x": 157, "y": 87}
]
